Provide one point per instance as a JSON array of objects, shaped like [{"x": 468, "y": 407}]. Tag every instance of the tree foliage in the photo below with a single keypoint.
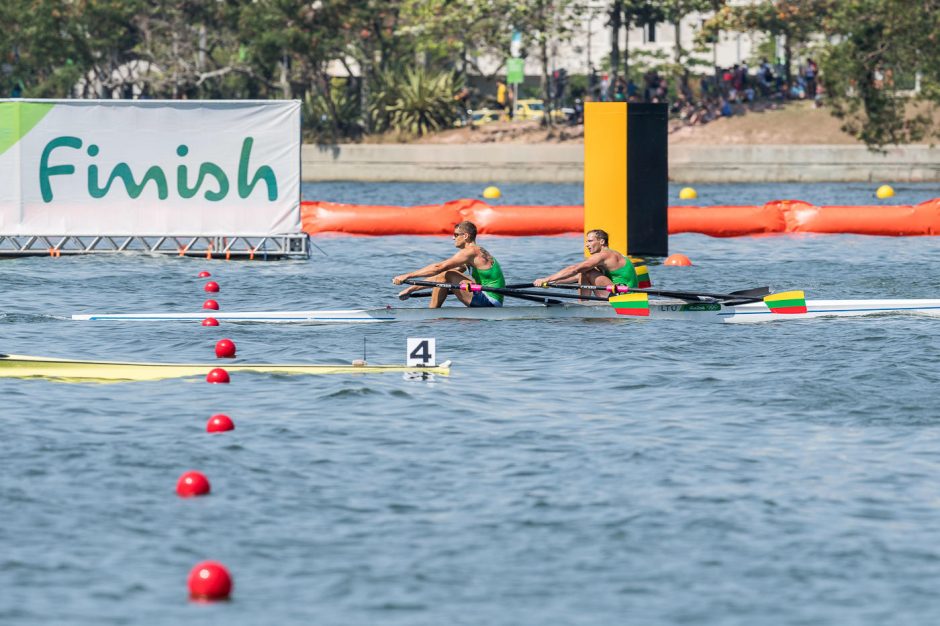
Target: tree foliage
[
  {"x": 374, "y": 65},
  {"x": 879, "y": 48},
  {"x": 873, "y": 52}
]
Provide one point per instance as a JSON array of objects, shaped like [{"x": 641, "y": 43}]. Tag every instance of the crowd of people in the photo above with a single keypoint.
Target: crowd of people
[
  {"x": 733, "y": 89},
  {"x": 723, "y": 94}
]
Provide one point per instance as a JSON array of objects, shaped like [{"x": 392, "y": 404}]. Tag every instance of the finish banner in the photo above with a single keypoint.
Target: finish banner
[{"x": 149, "y": 167}]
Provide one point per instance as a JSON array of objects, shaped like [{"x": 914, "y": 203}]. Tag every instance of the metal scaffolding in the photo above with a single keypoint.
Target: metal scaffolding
[{"x": 265, "y": 248}]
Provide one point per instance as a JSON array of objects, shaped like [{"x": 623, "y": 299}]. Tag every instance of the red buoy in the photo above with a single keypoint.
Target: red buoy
[
  {"x": 204, "y": 274},
  {"x": 210, "y": 304},
  {"x": 209, "y": 580},
  {"x": 217, "y": 375},
  {"x": 192, "y": 484},
  {"x": 210, "y": 321},
  {"x": 212, "y": 286},
  {"x": 678, "y": 260},
  {"x": 225, "y": 349},
  {"x": 220, "y": 423}
]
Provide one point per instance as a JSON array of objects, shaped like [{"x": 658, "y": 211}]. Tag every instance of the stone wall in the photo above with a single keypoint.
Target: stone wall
[{"x": 564, "y": 162}]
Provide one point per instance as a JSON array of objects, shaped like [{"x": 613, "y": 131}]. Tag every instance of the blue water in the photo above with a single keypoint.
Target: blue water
[{"x": 568, "y": 472}]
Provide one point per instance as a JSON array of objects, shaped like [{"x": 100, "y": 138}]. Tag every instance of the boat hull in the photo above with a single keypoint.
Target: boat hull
[
  {"x": 71, "y": 370},
  {"x": 658, "y": 309}
]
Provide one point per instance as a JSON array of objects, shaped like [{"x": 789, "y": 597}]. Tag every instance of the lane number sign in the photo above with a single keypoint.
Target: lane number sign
[{"x": 421, "y": 352}]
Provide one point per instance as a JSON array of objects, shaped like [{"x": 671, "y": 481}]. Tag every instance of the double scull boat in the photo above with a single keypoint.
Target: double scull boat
[{"x": 659, "y": 309}]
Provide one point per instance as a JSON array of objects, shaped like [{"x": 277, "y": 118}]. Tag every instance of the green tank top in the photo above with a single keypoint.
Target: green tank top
[
  {"x": 626, "y": 275},
  {"x": 492, "y": 277}
]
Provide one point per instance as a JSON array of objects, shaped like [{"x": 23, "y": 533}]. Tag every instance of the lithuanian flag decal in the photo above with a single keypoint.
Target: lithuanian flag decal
[
  {"x": 631, "y": 304},
  {"x": 642, "y": 274},
  {"x": 786, "y": 302}
]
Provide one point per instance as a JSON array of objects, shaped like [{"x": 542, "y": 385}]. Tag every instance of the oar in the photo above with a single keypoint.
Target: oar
[
  {"x": 415, "y": 294},
  {"x": 427, "y": 294},
  {"x": 522, "y": 294},
  {"x": 540, "y": 298},
  {"x": 755, "y": 294}
]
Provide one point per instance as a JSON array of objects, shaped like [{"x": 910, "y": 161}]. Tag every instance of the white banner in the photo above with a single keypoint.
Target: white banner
[{"x": 149, "y": 167}]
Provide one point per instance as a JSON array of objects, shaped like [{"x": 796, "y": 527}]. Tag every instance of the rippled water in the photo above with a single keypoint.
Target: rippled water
[{"x": 568, "y": 472}]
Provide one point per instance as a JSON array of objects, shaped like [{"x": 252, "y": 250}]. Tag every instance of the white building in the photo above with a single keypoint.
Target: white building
[{"x": 591, "y": 44}]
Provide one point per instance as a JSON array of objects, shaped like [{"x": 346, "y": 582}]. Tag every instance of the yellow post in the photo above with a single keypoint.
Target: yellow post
[{"x": 605, "y": 170}]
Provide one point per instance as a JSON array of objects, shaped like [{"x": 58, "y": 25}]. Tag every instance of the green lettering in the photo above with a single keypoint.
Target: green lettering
[
  {"x": 244, "y": 187},
  {"x": 123, "y": 171},
  {"x": 206, "y": 169},
  {"x": 45, "y": 171}
]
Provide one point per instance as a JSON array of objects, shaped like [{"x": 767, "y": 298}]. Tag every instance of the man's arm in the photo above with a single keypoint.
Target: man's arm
[
  {"x": 572, "y": 270},
  {"x": 460, "y": 259}
]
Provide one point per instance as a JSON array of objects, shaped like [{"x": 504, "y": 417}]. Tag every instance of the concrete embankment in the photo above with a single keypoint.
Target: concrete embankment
[{"x": 564, "y": 163}]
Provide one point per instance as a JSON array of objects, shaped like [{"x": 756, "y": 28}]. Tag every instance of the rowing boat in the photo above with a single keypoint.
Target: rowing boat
[
  {"x": 672, "y": 309},
  {"x": 72, "y": 370}
]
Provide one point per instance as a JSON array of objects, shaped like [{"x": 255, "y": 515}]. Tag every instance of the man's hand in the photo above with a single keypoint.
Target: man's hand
[
  {"x": 400, "y": 279},
  {"x": 541, "y": 282}
]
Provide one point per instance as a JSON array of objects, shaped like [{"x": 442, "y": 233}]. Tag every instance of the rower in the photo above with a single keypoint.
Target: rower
[
  {"x": 603, "y": 268},
  {"x": 470, "y": 258}
]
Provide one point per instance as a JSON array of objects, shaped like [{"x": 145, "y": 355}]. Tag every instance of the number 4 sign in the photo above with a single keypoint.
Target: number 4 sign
[{"x": 422, "y": 352}]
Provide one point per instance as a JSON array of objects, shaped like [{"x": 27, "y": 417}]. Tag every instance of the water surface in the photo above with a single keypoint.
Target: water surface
[{"x": 568, "y": 472}]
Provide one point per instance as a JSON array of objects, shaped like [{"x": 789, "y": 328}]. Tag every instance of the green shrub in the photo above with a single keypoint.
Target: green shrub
[{"x": 418, "y": 102}]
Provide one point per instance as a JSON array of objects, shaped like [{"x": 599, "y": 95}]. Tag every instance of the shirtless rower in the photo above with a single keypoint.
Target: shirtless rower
[
  {"x": 471, "y": 258},
  {"x": 604, "y": 267}
]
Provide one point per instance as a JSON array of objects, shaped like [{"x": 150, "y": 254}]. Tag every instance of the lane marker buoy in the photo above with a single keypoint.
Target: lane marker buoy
[
  {"x": 225, "y": 349},
  {"x": 678, "y": 260},
  {"x": 192, "y": 484},
  {"x": 217, "y": 376},
  {"x": 209, "y": 581},
  {"x": 884, "y": 192},
  {"x": 220, "y": 423}
]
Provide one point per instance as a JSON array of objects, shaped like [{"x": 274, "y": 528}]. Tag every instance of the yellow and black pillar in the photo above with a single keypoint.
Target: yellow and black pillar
[{"x": 626, "y": 175}]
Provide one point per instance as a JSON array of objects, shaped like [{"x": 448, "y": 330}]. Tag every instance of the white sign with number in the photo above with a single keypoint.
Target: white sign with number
[{"x": 421, "y": 352}]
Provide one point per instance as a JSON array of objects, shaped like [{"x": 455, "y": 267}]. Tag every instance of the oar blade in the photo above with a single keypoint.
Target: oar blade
[
  {"x": 642, "y": 273},
  {"x": 756, "y": 292},
  {"x": 636, "y": 304},
  {"x": 786, "y": 302}
]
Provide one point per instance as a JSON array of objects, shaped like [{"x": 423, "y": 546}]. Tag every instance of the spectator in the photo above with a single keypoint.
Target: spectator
[
  {"x": 765, "y": 78},
  {"x": 620, "y": 91},
  {"x": 738, "y": 81},
  {"x": 579, "y": 111},
  {"x": 502, "y": 98},
  {"x": 726, "y": 108},
  {"x": 632, "y": 89},
  {"x": 809, "y": 74}
]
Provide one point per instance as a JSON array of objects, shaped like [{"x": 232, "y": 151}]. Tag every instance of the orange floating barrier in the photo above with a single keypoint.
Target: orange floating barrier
[
  {"x": 324, "y": 217},
  {"x": 778, "y": 216},
  {"x": 527, "y": 220},
  {"x": 725, "y": 221},
  {"x": 897, "y": 221}
]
